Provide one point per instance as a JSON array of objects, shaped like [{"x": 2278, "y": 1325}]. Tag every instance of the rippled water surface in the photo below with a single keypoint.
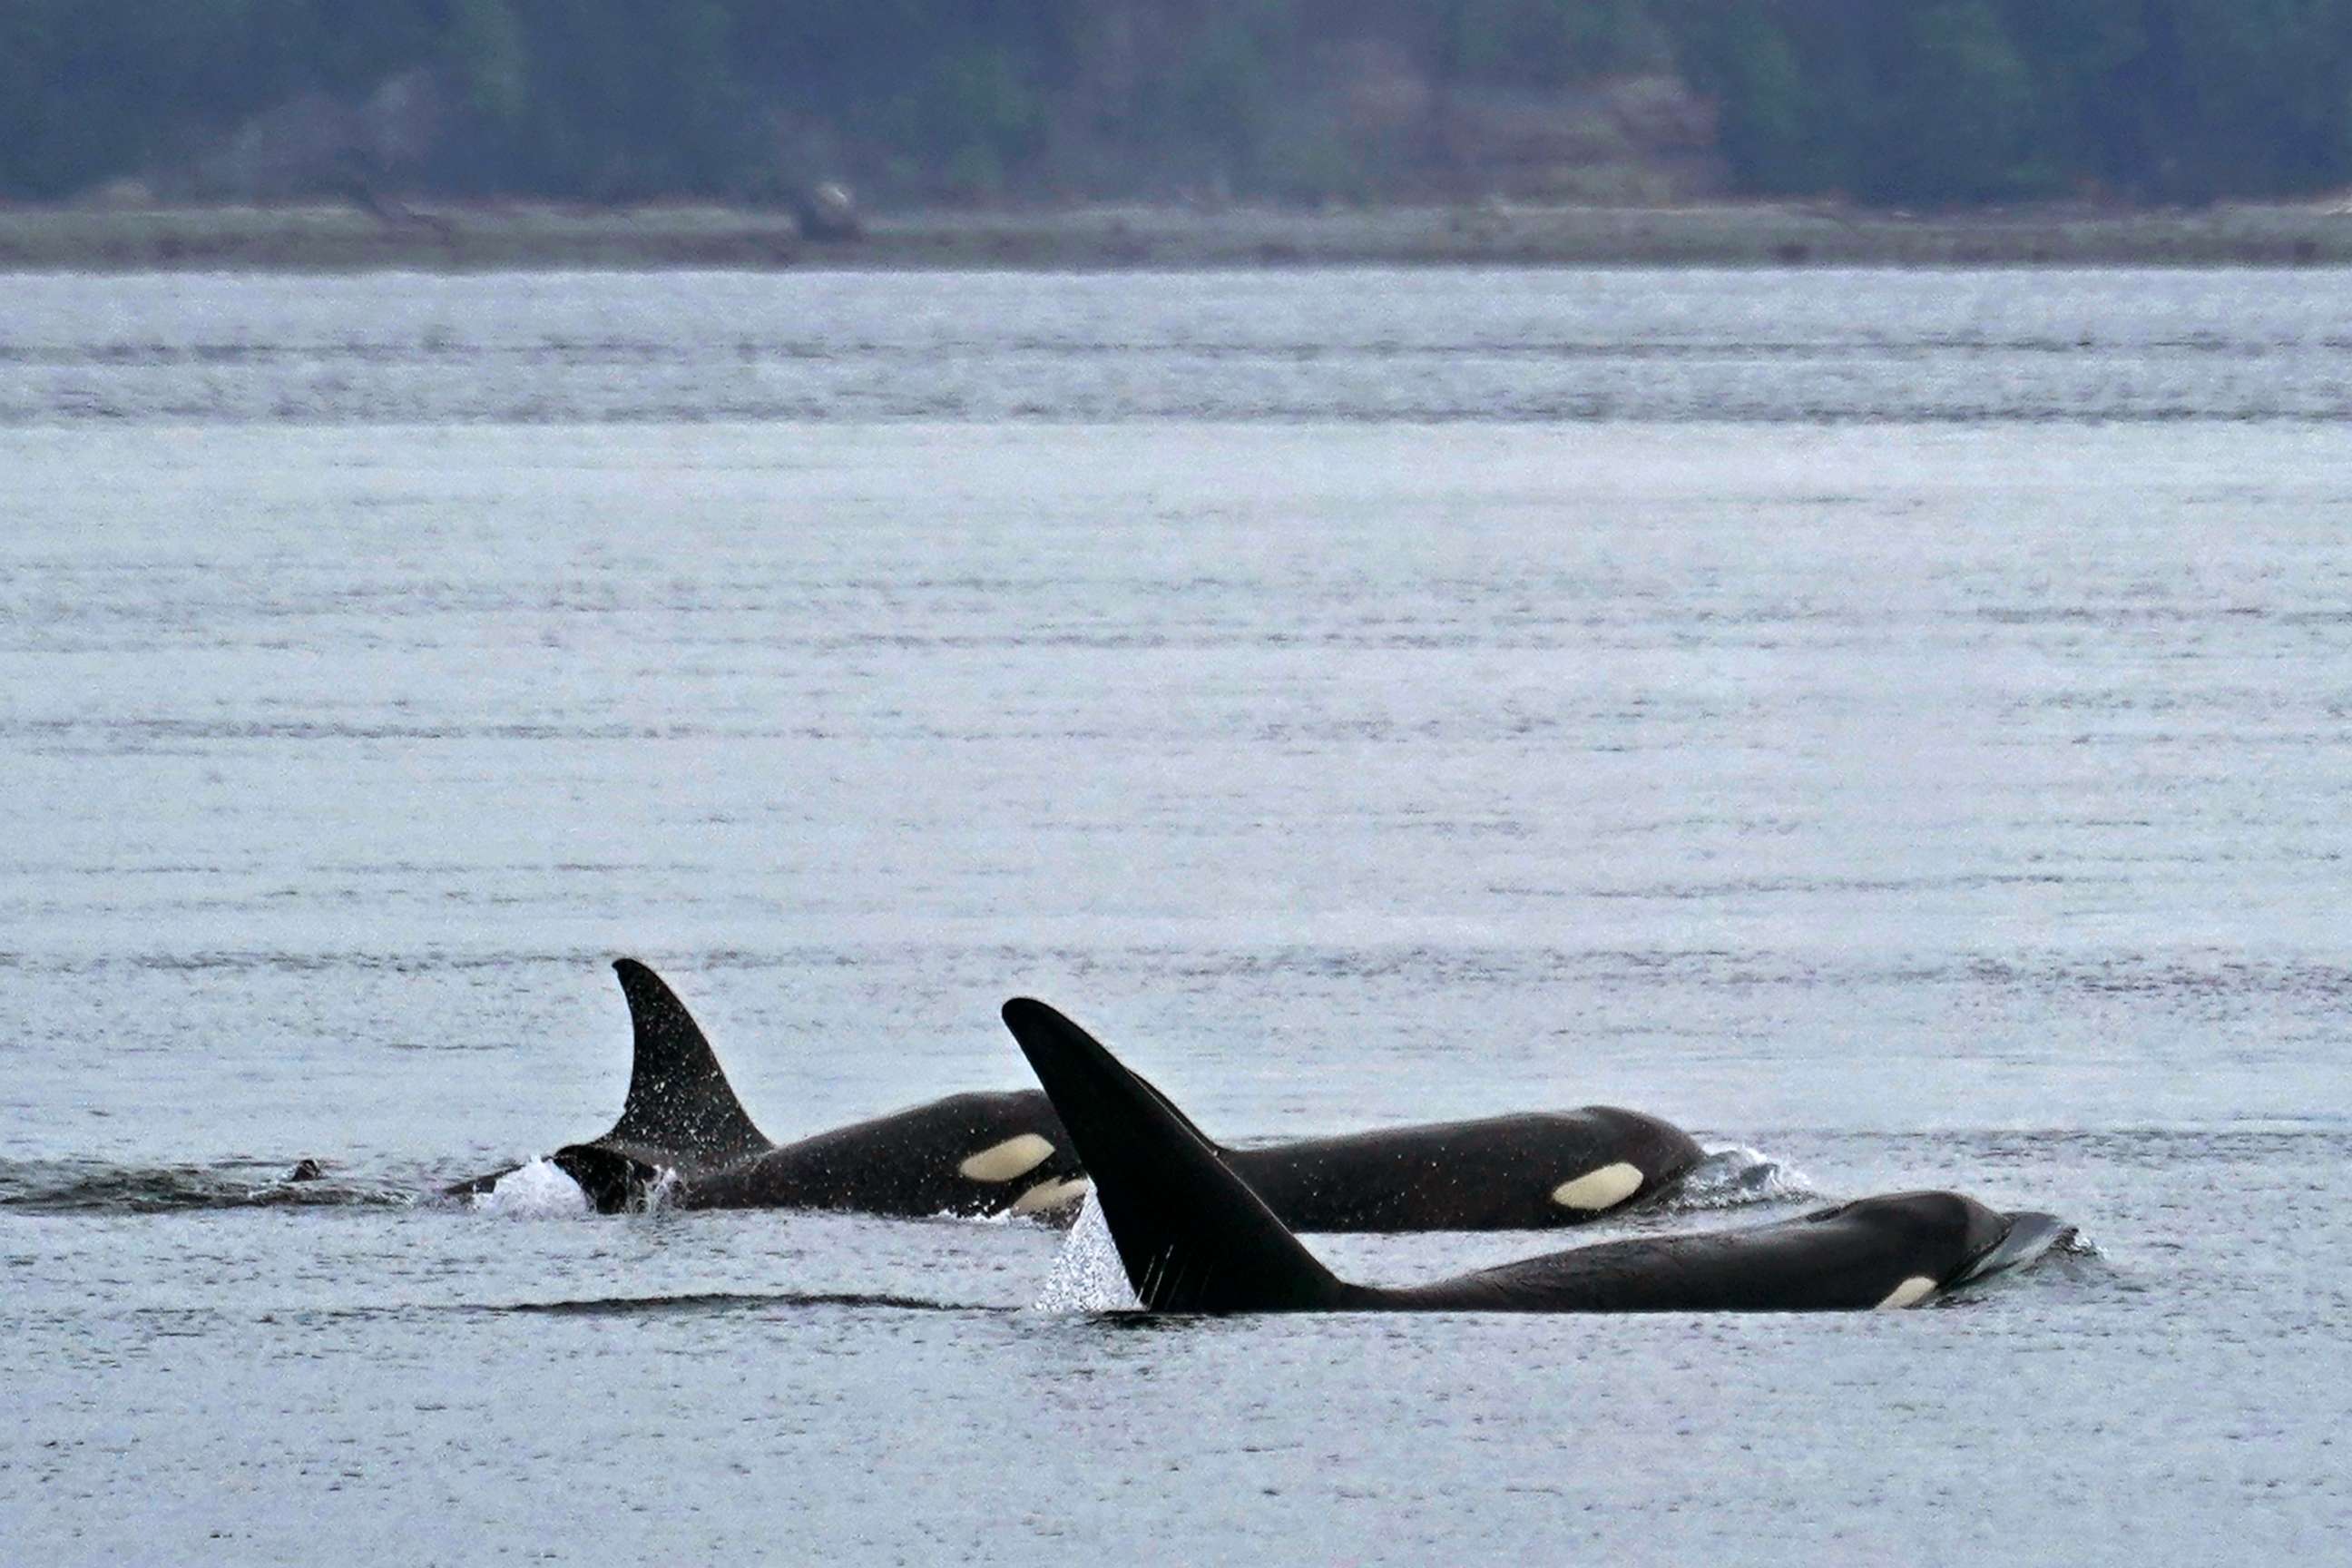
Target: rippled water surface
[{"x": 1901, "y": 724}]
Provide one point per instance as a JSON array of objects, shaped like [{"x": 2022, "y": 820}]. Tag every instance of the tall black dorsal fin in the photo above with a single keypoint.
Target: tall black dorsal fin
[
  {"x": 1192, "y": 1235},
  {"x": 679, "y": 1103}
]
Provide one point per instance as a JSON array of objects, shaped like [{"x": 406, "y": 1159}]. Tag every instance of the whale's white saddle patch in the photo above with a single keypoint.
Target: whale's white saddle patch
[
  {"x": 1597, "y": 1190},
  {"x": 1003, "y": 1162},
  {"x": 1910, "y": 1293}
]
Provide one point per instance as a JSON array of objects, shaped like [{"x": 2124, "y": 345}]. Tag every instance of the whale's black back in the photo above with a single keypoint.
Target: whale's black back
[
  {"x": 970, "y": 1155},
  {"x": 1495, "y": 1173},
  {"x": 1847, "y": 1258}
]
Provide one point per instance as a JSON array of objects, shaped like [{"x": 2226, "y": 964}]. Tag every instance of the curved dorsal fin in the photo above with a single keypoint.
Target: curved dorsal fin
[
  {"x": 679, "y": 1103},
  {"x": 1192, "y": 1235}
]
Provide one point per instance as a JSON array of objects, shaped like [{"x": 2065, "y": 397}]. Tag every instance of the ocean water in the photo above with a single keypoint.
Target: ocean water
[{"x": 1898, "y": 725}]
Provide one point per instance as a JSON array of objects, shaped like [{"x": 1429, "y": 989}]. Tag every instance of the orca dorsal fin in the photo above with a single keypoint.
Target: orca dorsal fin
[
  {"x": 679, "y": 1103},
  {"x": 1191, "y": 1234}
]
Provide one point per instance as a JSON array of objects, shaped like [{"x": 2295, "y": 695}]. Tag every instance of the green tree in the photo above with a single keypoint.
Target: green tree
[
  {"x": 2266, "y": 86},
  {"x": 2094, "y": 121},
  {"x": 1763, "y": 125},
  {"x": 487, "y": 55},
  {"x": 1961, "y": 110}
]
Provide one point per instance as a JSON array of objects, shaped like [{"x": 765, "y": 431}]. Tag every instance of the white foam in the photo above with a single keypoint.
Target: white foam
[
  {"x": 1088, "y": 1275},
  {"x": 658, "y": 1192},
  {"x": 539, "y": 1189},
  {"x": 1738, "y": 1176}
]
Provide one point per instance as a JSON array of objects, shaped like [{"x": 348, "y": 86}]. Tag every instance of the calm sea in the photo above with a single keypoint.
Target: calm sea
[{"x": 1897, "y": 725}]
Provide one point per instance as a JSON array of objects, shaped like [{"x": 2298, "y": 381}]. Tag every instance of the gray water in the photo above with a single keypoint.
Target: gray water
[{"x": 1897, "y": 724}]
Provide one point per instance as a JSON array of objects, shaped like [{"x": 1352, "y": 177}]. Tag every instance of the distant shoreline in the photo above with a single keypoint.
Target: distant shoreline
[{"x": 335, "y": 238}]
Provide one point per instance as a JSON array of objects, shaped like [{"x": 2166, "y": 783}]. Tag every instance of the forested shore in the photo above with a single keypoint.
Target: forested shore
[{"x": 1009, "y": 104}]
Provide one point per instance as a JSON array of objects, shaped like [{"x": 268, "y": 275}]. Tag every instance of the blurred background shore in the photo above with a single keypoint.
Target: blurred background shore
[
  {"x": 456, "y": 134},
  {"x": 339, "y": 237}
]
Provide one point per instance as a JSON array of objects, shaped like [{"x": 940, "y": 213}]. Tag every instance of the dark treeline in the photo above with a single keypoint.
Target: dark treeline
[{"x": 1923, "y": 101}]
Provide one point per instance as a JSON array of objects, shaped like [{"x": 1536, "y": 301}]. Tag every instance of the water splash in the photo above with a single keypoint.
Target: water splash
[
  {"x": 656, "y": 1196},
  {"x": 1086, "y": 1276},
  {"x": 1737, "y": 1176},
  {"x": 537, "y": 1190}
]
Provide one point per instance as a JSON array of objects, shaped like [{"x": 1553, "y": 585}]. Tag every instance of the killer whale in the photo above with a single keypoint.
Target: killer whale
[
  {"x": 980, "y": 1155},
  {"x": 683, "y": 1131},
  {"x": 1532, "y": 1171},
  {"x": 680, "y": 1112},
  {"x": 1193, "y": 1237}
]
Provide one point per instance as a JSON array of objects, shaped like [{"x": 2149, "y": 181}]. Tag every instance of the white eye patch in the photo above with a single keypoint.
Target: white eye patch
[
  {"x": 1597, "y": 1190},
  {"x": 1003, "y": 1162}
]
